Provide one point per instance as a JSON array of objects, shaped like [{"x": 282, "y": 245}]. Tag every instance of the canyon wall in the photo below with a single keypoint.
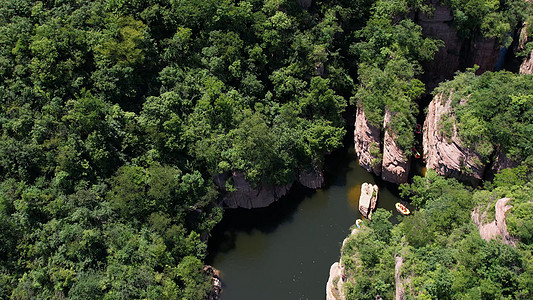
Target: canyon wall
[
  {"x": 246, "y": 195},
  {"x": 444, "y": 151},
  {"x": 367, "y": 140},
  {"x": 456, "y": 54},
  {"x": 527, "y": 65},
  {"x": 380, "y": 156}
]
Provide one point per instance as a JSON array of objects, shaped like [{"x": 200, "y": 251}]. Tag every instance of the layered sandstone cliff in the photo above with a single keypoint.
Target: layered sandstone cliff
[
  {"x": 238, "y": 192},
  {"x": 527, "y": 65},
  {"x": 496, "y": 228},
  {"x": 444, "y": 151},
  {"x": 396, "y": 165},
  {"x": 334, "y": 284},
  {"x": 456, "y": 54},
  {"x": 244, "y": 194},
  {"x": 367, "y": 140},
  {"x": 381, "y": 157}
]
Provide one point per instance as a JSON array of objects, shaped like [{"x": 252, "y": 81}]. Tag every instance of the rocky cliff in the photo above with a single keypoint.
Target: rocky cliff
[
  {"x": 496, "y": 228},
  {"x": 527, "y": 65},
  {"x": 244, "y": 194},
  {"x": 456, "y": 54},
  {"x": 444, "y": 151},
  {"x": 381, "y": 157},
  {"x": 304, "y": 3},
  {"x": 368, "y": 199},
  {"x": 367, "y": 140},
  {"x": 396, "y": 164}
]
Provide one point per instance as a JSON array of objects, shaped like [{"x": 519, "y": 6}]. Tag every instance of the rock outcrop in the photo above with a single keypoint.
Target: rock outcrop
[
  {"x": 502, "y": 162},
  {"x": 396, "y": 164},
  {"x": 337, "y": 276},
  {"x": 456, "y": 54},
  {"x": 215, "y": 281},
  {"x": 527, "y": 65},
  {"x": 496, "y": 228},
  {"x": 367, "y": 140},
  {"x": 368, "y": 199},
  {"x": 335, "y": 281},
  {"x": 243, "y": 194},
  {"x": 446, "y": 154},
  {"x": 400, "y": 291},
  {"x": 313, "y": 179}
]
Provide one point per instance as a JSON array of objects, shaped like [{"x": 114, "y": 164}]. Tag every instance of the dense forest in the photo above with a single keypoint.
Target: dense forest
[{"x": 116, "y": 115}]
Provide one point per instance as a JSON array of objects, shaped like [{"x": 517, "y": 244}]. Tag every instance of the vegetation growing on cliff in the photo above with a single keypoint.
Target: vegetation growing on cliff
[
  {"x": 497, "y": 115},
  {"x": 390, "y": 49},
  {"x": 444, "y": 256}
]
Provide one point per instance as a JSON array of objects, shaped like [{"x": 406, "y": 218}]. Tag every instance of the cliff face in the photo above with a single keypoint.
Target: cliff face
[
  {"x": 244, "y": 194},
  {"x": 367, "y": 141},
  {"x": 396, "y": 164},
  {"x": 496, "y": 228},
  {"x": 457, "y": 54},
  {"x": 447, "y": 155},
  {"x": 527, "y": 65}
]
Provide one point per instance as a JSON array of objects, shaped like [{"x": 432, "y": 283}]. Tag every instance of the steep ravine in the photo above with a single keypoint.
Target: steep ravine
[{"x": 376, "y": 148}]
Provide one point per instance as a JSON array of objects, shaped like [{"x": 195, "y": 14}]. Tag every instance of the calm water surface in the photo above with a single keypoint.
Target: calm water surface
[{"x": 285, "y": 251}]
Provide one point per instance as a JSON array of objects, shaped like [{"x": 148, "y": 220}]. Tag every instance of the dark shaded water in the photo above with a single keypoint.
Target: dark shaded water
[{"x": 285, "y": 251}]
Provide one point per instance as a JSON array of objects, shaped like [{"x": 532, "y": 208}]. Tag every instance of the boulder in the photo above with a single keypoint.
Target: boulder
[
  {"x": 496, "y": 228},
  {"x": 527, "y": 65},
  {"x": 446, "y": 154},
  {"x": 367, "y": 142},
  {"x": 396, "y": 164},
  {"x": 368, "y": 199}
]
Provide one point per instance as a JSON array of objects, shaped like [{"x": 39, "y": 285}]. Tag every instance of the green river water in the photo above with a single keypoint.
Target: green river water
[{"x": 285, "y": 251}]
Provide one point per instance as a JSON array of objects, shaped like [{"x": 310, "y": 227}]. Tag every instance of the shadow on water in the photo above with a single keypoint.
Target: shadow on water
[
  {"x": 284, "y": 251},
  {"x": 265, "y": 220}
]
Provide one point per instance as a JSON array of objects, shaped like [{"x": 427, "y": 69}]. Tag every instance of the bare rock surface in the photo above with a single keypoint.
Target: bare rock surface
[
  {"x": 366, "y": 136},
  {"x": 215, "y": 281},
  {"x": 245, "y": 195},
  {"x": 456, "y": 54},
  {"x": 368, "y": 199},
  {"x": 502, "y": 162},
  {"x": 527, "y": 65},
  {"x": 400, "y": 291},
  {"x": 496, "y": 228},
  {"x": 313, "y": 179},
  {"x": 396, "y": 165},
  {"x": 447, "y": 155},
  {"x": 334, "y": 285}
]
